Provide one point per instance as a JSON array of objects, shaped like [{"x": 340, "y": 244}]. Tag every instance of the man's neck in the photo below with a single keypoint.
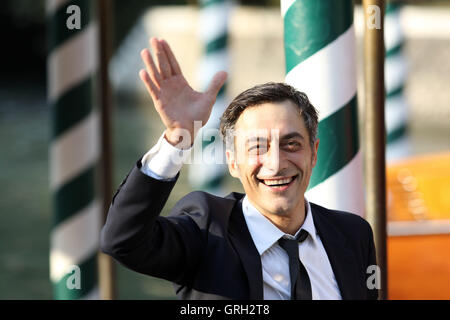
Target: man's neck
[{"x": 289, "y": 222}]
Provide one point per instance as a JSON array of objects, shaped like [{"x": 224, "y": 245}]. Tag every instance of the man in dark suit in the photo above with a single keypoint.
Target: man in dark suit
[{"x": 269, "y": 243}]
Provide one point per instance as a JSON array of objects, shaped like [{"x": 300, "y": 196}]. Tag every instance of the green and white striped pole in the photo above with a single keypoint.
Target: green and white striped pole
[
  {"x": 74, "y": 150},
  {"x": 398, "y": 144},
  {"x": 319, "y": 44},
  {"x": 209, "y": 175}
]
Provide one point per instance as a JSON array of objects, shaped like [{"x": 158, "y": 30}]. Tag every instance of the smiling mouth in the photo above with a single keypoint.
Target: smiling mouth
[{"x": 278, "y": 183}]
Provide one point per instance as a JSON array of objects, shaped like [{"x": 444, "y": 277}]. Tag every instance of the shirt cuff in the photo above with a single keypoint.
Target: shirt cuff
[{"x": 164, "y": 161}]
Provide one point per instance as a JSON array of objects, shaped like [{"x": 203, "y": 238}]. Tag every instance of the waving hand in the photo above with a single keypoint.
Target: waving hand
[{"x": 176, "y": 102}]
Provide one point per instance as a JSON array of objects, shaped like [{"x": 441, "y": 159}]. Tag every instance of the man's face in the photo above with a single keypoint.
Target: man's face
[{"x": 273, "y": 157}]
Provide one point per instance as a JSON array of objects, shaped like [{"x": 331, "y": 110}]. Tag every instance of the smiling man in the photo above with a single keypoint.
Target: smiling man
[
  {"x": 269, "y": 243},
  {"x": 274, "y": 153}
]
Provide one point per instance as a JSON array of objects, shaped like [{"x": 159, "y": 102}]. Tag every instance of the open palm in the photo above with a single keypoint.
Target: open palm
[{"x": 176, "y": 102}]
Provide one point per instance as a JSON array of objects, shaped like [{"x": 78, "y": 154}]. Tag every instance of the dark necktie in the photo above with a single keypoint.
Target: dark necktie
[{"x": 300, "y": 283}]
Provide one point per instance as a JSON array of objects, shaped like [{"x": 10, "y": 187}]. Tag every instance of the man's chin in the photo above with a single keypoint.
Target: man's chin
[{"x": 279, "y": 210}]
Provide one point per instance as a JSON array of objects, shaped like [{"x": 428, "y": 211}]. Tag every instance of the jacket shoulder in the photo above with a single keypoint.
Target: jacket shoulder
[
  {"x": 204, "y": 207},
  {"x": 342, "y": 219}
]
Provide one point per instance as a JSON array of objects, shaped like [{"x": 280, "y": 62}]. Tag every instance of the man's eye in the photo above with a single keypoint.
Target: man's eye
[{"x": 293, "y": 145}]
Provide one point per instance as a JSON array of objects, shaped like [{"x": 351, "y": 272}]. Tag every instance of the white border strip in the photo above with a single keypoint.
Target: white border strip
[
  {"x": 213, "y": 21},
  {"x": 211, "y": 64},
  {"x": 393, "y": 34},
  {"x": 330, "y": 194},
  {"x": 73, "y": 61},
  {"x": 396, "y": 112},
  {"x": 395, "y": 69},
  {"x": 75, "y": 151},
  {"x": 74, "y": 240},
  {"x": 329, "y": 76}
]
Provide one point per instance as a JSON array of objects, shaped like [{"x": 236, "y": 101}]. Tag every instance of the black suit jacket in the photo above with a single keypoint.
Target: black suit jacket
[{"x": 204, "y": 246}]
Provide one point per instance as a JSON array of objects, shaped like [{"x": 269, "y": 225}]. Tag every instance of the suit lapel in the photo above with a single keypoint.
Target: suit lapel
[
  {"x": 342, "y": 259},
  {"x": 340, "y": 256},
  {"x": 244, "y": 245}
]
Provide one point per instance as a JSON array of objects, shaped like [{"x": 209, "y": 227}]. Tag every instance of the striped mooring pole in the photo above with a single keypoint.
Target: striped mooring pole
[
  {"x": 74, "y": 149},
  {"x": 319, "y": 44},
  {"x": 209, "y": 174},
  {"x": 397, "y": 140}
]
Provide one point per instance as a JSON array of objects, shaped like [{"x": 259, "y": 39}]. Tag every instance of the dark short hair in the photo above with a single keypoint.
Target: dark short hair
[{"x": 266, "y": 93}]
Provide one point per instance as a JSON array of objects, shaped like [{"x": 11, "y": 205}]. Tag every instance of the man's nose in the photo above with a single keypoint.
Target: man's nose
[{"x": 272, "y": 159}]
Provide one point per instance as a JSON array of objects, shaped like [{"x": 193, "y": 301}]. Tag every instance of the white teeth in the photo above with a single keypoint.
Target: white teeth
[{"x": 274, "y": 182}]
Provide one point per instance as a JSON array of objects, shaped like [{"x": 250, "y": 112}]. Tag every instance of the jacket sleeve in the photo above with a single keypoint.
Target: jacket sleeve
[{"x": 135, "y": 235}]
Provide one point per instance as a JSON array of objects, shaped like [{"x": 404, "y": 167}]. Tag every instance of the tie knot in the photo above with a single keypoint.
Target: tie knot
[
  {"x": 291, "y": 245},
  {"x": 302, "y": 235}
]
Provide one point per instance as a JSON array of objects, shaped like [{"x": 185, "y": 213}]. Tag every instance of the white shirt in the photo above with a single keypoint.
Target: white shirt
[
  {"x": 275, "y": 260},
  {"x": 164, "y": 161}
]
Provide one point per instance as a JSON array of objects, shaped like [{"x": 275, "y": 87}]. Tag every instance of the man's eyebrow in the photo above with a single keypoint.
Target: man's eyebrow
[
  {"x": 292, "y": 135},
  {"x": 284, "y": 137}
]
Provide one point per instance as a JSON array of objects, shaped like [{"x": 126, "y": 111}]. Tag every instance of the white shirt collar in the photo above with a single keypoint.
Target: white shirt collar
[{"x": 264, "y": 233}]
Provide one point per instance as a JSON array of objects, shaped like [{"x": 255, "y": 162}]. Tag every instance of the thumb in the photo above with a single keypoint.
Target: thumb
[{"x": 216, "y": 83}]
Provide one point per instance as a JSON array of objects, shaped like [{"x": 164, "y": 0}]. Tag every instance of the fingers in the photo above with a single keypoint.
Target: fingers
[
  {"x": 162, "y": 61},
  {"x": 152, "y": 88},
  {"x": 151, "y": 68},
  {"x": 216, "y": 83},
  {"x": 172, "y": 60}
]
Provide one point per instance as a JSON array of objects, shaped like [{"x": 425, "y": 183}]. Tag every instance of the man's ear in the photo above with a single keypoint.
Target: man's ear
[
  {"x": 315, "y": 150},
  {"x": 232, "y": 164}
]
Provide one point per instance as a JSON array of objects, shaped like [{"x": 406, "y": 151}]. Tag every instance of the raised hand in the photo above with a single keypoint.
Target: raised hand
[{"x": 176, "y": 102}]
